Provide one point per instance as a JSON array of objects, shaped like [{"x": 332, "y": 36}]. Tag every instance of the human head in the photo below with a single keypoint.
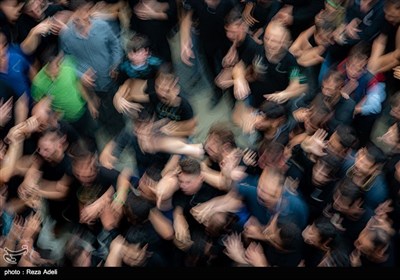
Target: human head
[
  {"x": 270, "y": 187},
  {"x": 325, "y": 169},
  {"x": 392, "y": 11},
  {"x": 12, "y": 9},
  {"x": 137, "y": 50},
  {"x": 346, "y": 195},
  {"x": 52, "y": 145},
  {"x": 82, "y": 11},
  {"x": 368, "y": 160},
  {"x": 34, "y": 9},
  {"x": 332, "y": 84},
  {"x": 287, "y": 235},
  {"x": 137, "y": 209},
  {"x": 235, "y": 27},
  {"x": 392, "y": 138},
  {"x": 318, "y": 115},
  {"x": 43, "y": 113},
  {"x": 321, "y": 233},
  {"x": 357, "y": 60},
  {"x": 272, "y": 115},
  {"x": 190, "y": 178},
  {"x": 342, "y": 140},
  {"x": 166, "y": 84},
  {"x": 276, "y": 39},
  {"x": 85, "y": 163},
  {"x": 373, "y": 242},
  {"x": 220, "y": 141},
  {"x": 53, "y": 66}
]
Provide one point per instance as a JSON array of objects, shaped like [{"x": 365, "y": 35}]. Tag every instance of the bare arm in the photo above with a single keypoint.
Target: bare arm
[{"x": 381, "y": 62}]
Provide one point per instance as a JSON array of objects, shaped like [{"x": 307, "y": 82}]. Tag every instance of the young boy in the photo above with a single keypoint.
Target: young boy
[{"x": 140, "y": 63}]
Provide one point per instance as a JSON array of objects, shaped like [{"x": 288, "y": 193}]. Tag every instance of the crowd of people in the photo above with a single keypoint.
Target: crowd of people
[{"x": 313, "y": 88}]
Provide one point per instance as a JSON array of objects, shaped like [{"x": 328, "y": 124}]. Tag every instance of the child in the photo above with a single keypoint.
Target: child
[{"x": 140, "y": 63}]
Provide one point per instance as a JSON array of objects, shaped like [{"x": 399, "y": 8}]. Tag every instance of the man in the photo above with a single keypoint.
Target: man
[
  {"x": 98, "y": 52},
  {"x": 276, "y": 75}
]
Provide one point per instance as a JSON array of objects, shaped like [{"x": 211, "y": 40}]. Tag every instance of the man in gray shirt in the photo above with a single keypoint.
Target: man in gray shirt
[{"x": 98, "y": 52}]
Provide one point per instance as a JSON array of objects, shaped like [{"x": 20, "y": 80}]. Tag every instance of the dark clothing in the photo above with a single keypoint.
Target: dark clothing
[
  {"x": 181, "y": 113},
  {"x": 55, "y": 172},
  {"x": 156, "y": 30},
  {"x": 275, "y": 78},
  {"x": 143, "y": 160},
  {"x": 105, "y": 178}
]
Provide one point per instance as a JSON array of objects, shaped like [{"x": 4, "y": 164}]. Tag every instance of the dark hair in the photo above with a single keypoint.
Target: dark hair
[
  {"x": 233, "y": 16},
  {"x": 137, "y": 43},
  {"x": 166, "y": 68},
  {"x": 289, "y": 233},
  {"x": 395, "y": 3},
  {"x": 82, "y": 149},
  {"x": 223, "y": 133},
  {"x": 361, "y": 50},
  {"x": 347, "y": 135},
  {"x": 190, "y": 166},
  {"x": 153, "y": 172},
  {"x": 332, "y": 161},
  {"x": 335, "y": 75},
  {"x": 380, "y": 237},
  {"x": 339, "y": 258},
  {"x": 327, "y": 231},
  {"x": 137, "y": 208},
  {"x": 273, "y": 110},
  {"x": 350, "y": 190},
  {"x": 375, "y": 153}
]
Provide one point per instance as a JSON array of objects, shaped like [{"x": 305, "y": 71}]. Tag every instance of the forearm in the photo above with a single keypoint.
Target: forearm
[
  {"x": 295, "y": 89},
  {"x": 9, "y": 162},
  {"x": 31, "y": 42}
]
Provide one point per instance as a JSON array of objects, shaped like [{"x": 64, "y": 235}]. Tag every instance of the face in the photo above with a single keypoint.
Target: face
[
  {"x": 53, "y": 68},
  {"x": 11, "y": 9},
  {"x": 355, "y": 67},
  {"x": 34, "y": 9},
  {"x": 85, "y": 170},
  {"x": 321, "y": 174},
  {"x": 139, "y": 57},
  {"x": 392, "y": 14},
  {"x": 276, "y": 40},
  {"x": 43, "y": 114},
  {"x": 269, "y": 190},
  {"x": 167, "y": 88},
  {"x": 363, "y": 166},
  {"x": 311, "y": 235},
  {"x": 364, "y": 243},
  {"x": 236, "y": 31},
  {"x": 335, "y": 146},
  {"x": 50, "y": 147},
  {"x": 213, "y": 148},
  {"x": 341, "y": 203},
  {"x": 330, "y": 88},
  {"x": 190, "y": 183},
  {"x": 81, "y": 17}
]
